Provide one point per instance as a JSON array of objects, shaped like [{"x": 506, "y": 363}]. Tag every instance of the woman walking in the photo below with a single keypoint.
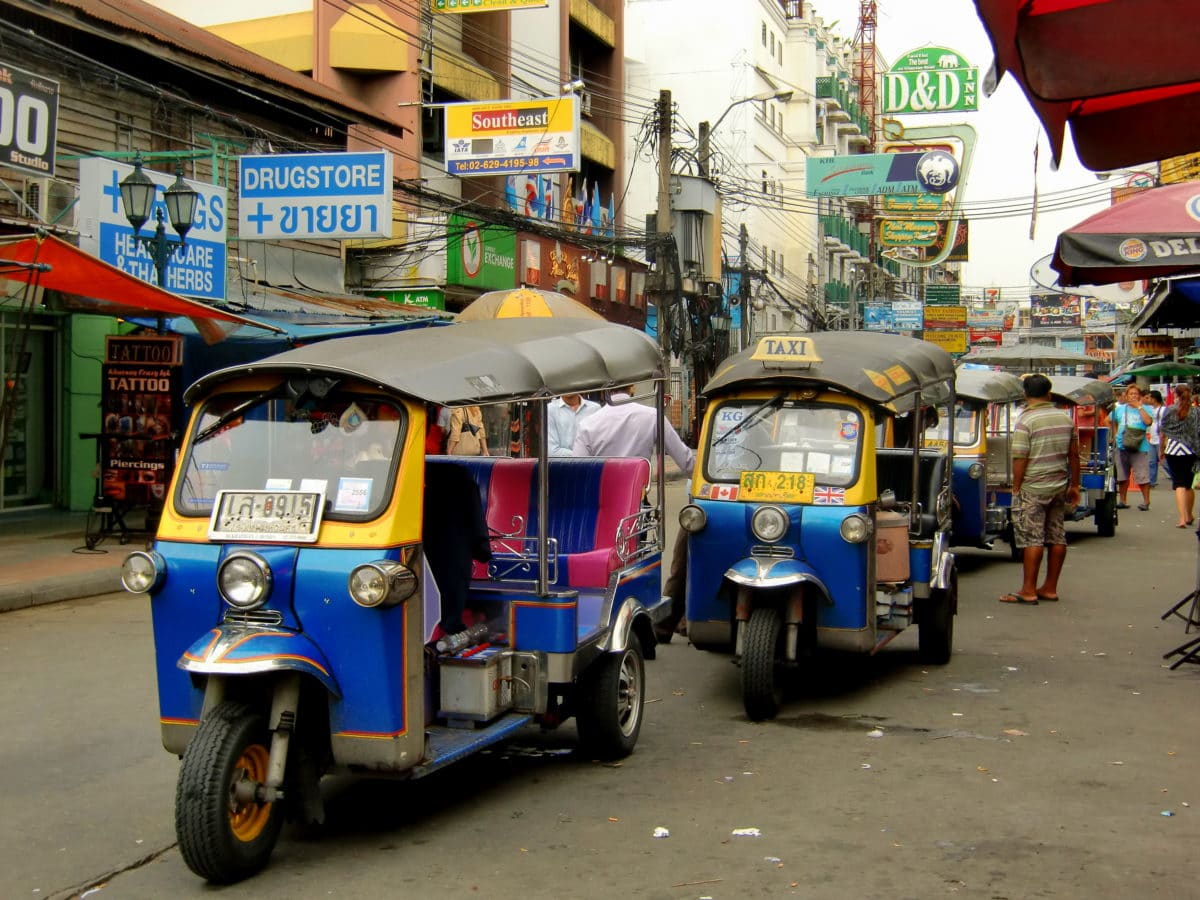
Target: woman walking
[
  {"x": 1133, "y": 420},
  {"x": 1179, "y": 442}
]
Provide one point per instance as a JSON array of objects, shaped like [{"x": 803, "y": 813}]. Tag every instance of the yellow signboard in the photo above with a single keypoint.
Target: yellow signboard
[
  {"x": 471, "y": 6},
  {"x": 908, "y": 232},
  {"x": 950, "y": 341},
  {"x": 945, "y": 315},
  {"x": 776, "y": 487},
  {"x": 1180, "y": 168},
  {"x": 513, "y": 136}
]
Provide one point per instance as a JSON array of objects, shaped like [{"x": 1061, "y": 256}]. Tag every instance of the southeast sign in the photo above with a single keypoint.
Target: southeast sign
[
  {"x": 315, "y": 196},
  {"x": 198, "y": 270},
  {"x": 472, "y": 6},
  {"x": 931, "y": 80},
  {"x": 513, "y": 136}
]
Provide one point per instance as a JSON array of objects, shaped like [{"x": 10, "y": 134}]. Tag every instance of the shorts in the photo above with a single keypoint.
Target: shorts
[
  {"x": 1133, "y": 462},
  {"x": 1038, "y": 520},
  {"x": 1181, "y": 470}
]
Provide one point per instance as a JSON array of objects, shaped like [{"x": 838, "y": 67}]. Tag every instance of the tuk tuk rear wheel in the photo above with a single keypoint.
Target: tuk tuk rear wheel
[
  {"x": 610, "y": 699},
  {"x": 935, "y": 632},
  {"x": 1106, "y": 516},
  {"x": 222, "y": 838},
  {"x": 762, "y": 688}
]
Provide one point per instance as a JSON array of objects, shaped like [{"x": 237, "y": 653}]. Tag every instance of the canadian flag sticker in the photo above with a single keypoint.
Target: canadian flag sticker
[{"x": 723, "y": 492}]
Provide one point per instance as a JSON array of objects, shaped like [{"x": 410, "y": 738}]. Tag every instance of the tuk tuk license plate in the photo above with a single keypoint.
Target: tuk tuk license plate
[
  {"x": 777, "y": 487},
  {"x": 293, "y": 516}
]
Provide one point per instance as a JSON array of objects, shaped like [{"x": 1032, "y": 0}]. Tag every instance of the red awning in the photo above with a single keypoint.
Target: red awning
[{"x": 106, "y": 290}]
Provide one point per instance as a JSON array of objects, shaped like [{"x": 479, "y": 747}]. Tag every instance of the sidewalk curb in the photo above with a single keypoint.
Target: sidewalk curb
[{"x": 55, "y": 589}]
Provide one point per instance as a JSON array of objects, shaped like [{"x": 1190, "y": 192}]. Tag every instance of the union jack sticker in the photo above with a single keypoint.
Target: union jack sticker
[
  {"x": 723, "y": 492},
  {"x": 829, "y": 496}
]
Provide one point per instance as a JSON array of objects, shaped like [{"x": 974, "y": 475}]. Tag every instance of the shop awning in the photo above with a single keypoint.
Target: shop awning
[
  {"x": 92, "y": 285},
  {"x": 1174, "y": 303}
]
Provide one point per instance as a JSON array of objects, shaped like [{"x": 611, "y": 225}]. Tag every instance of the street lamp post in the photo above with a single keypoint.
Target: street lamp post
[
  {"x": 137, "y": 198},
  {"x": 706, "y": 130}
]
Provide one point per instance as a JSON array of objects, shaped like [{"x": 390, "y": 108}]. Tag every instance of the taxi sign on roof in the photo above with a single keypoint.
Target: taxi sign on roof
[{"x": 793, "y": 351}]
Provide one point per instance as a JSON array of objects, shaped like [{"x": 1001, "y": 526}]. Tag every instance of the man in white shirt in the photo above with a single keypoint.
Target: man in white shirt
[
  {"x": 562, "y": 421},
  {"x": 625, "y": 428}
]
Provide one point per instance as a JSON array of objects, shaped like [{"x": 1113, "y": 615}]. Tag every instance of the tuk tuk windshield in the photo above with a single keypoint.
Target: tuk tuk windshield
[
  {"x": 344, "y": 445},
  {"x": 783, "y": 436},
  {"x": 966, "y": 426}
]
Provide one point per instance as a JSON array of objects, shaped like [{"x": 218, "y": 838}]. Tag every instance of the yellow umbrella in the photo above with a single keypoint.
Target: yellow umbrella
[{"x": 525, "y": 303}]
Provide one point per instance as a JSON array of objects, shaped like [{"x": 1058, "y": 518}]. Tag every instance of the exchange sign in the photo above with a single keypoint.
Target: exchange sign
[
  {"x": 513, "y": 136},
  {"x": 308, "y": 196},
  {"x": 931, "y": 80}
]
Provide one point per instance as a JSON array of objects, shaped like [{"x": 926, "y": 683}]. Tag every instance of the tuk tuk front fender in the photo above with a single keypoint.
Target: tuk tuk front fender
[
  {"x": 757, "y": 572},
  {"x": 237, "y": 650}
]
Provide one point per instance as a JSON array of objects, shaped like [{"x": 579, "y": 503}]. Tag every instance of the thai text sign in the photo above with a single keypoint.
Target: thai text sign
[
  {"x": 908, "y": 232},
  {"x": 942, "y": 293},
  {"x": 310, "y": 196},
  {"x": 196, "y": 270},
  {"x": 513, "y": 136},
  {"x": 28, "y": 120},
  {"x": 931, "y": 80},
  {"x": 1049, "y": 310},
  {"x": 470, "y": 6}
]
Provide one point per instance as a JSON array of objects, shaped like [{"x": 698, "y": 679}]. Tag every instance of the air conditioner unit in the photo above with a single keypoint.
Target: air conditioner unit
[
  {"x": 585, "y": 102},
  {"x": 51, "y": 200}
]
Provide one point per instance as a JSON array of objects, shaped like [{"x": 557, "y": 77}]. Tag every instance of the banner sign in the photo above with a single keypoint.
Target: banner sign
[
  {"x": 931, "y": 80},
  {"x": 28, "y": 120},
  {"x": 315, "y": 196},
  {"x": 141, "y": 403},
  {"x": 1099, "y": 313},
  {"x": 479, "y": 255},
  {"x": 984, "y": 336},
  {"x": 959, "y": 251},
  {"x": 900, "y": 315},
  {"x": 950, "y": 341},
  {"x": 1050, "y": 310},
  {"x": 868, "y": 174},
  {"x": 945, "y": 317},
  {"x": 985, "y": 319},
  {"x": 471, "y": 6},
  {"x": 908, "y": 232},
  {"x": 908, "y": 315},
  {"x": 198, "y": 270},
  {"x": 513, "y": 136},
  {"x": 943, "y": 293}
]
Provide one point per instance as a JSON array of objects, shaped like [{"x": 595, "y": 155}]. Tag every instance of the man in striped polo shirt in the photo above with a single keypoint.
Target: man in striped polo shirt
[{"x": 1045, "y": 451}]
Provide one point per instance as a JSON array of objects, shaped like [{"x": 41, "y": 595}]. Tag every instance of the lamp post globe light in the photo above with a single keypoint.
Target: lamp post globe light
[{"x": 137, "y": 198}]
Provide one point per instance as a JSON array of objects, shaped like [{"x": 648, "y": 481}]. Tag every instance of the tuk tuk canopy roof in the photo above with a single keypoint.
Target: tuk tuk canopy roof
[
  {"x": 878, "y": 368},
  {"x": 1082, "y": 391},
  {"x": 988, "y": 387},
  {"x": 472, "y": 363}
]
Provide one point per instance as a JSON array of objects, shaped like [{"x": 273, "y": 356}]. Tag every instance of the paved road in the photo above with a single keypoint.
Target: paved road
[{"x": 1038, "y": 763}]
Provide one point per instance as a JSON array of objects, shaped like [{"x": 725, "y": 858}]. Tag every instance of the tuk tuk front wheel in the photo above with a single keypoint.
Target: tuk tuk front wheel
[
  {"x": 762, "y": 687},
  {"x": 611, "y": 694},
  {"x": 222, "y": 837},
  {"x": 935, "y": 631}
]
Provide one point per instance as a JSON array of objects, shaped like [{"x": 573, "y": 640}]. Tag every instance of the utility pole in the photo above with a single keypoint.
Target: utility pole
[
  {"x": 744, "y": 283},
  {"x": 705, "y": 149},
  {"x": 662, "y": 219}
]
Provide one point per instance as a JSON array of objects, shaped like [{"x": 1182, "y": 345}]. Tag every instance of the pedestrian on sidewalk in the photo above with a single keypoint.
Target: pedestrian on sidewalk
[
  {"x": 1133, "y": 418},
  {"x": 1180, "y": 441},
  {"x": 562, "y": 421},
  {"x": 1045, "y": 450},
  {"x": 1154, "y": 400},
  {"x": 625, "y": 428}
]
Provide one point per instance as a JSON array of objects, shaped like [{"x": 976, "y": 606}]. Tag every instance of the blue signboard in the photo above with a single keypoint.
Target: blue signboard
[
  {"x": 869, "y": 174},
  {"x": 197, "y": 270},
  {"x": 314, "y": 196}
]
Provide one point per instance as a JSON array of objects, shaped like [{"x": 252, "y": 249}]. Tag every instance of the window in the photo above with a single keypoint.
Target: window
[
  {"x": 772, "y": 43},
  {"x": 781, "y": 267},
  {"x": 764, "y": 33},
  {"x": 764, "y": 181},
  {"x": 781, "y": 123},
  {"x": 773, "y": 269}
]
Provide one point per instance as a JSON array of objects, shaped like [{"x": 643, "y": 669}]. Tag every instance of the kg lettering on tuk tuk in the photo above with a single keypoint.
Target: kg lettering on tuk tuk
[
  {"x": 802, "y": 532},
  {"x": 326, "y": 598}
]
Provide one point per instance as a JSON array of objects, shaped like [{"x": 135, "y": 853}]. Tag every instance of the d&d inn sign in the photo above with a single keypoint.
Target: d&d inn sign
[{"x": 931, "y": 80}]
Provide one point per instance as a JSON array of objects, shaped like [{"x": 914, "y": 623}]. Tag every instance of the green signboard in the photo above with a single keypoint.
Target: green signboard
[
  {"x": 862, "y": 175},
  {"x": 943, "y": 293},
  {"x": 427, "y": 298},
  {"x": 931, "y": 80},
  {"x": 480, "y": 256}
]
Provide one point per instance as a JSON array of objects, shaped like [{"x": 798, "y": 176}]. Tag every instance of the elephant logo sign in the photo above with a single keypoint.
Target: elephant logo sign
[{"x": 937, "y": 172}]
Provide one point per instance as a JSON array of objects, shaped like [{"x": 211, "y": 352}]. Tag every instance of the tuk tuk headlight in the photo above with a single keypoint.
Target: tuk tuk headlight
[
  {"x": 975, "y": 471},
  {"x": 692, "y": 518},
  {"x": 855, "y": 529},
  {"x": 143, "y": 571},
  {"x": 244, "y": 580},
  {"x": 769, "y": 524},
  {"x": 383, "y": 583}
]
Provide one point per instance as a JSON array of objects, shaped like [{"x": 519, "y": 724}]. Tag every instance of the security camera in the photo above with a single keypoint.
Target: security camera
[{"x": 575, "y": 86}]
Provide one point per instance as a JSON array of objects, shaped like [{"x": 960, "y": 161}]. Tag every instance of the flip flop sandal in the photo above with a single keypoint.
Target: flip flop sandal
[{"x": 1017, "y": 598}]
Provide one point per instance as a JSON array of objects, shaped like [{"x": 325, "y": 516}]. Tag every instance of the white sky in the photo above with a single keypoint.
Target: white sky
[{"x": 1003, "y": 171}]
